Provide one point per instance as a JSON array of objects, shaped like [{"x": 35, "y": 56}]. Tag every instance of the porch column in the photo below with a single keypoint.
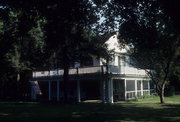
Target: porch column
[
  {"x": 78, "y": 91},
  {"x": 141, "y": 87},
  {"x": 110, "y": 91},
  {"x": 136, "y": 88},
  {"x": 103, "y": 91},
  {"x": 125, "y": 86},
  {"x": 149, "y": 89},
  {"x": 58, "y": 90},
  {"x": 33, "y": 93},
  {"x": 106, "y": 82},
  {"x": 49, "y": 89}
]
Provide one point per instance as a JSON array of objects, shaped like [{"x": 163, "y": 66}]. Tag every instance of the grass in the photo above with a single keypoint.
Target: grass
[{"x": 147, "y": 109}]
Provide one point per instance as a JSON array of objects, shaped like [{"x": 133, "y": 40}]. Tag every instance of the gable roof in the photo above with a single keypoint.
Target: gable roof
[{"x": 113, "y": 44}]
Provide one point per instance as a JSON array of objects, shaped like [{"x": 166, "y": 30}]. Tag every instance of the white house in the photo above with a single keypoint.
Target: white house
[{"x": 114, "y": 82}]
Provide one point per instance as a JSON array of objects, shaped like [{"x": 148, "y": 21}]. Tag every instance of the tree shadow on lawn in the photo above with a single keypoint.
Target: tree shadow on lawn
[
  {"x": 118, "y": 112},
  {"x": 90, "y": 112},
  {"x": 133, "y": 112}
]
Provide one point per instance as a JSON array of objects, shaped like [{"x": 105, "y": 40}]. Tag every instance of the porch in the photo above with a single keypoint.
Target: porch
[
  {"x": 100, "y": 82},
  {"x": 108, "y": 91}
]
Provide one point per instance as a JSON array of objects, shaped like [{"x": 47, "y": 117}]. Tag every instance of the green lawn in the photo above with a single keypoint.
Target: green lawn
[{"x": 147, "y": 109}]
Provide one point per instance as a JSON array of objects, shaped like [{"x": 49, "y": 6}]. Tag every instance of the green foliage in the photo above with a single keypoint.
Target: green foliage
[
  {"x": 151, "y": 37},
  {"x": 48, "y": 34},
  {"x": 21, "y": 44},
  {"x": 169, "y": 91},
  {"x": 21, "y": 47}
]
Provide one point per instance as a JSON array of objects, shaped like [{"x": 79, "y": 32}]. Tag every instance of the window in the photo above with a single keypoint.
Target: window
[
  {"x": 122, "y": 60},
  {"x": 129, "y": 61},
  {"x": 145, "y": 85},
  {"x": 130, "y": 85}
]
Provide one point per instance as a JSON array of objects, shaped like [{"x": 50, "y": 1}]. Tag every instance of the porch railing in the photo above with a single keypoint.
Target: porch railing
[
  {"x": 133, "y": 94},
  {"x": 83, "y": 70},
  {"x": 72, "y": 71}
]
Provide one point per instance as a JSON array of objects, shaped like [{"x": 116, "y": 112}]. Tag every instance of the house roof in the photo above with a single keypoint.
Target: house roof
[{"x": 113, "y": 44}]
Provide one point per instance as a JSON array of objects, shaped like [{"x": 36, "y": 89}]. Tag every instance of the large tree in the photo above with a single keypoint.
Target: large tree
[
  {"x": 21, "y": 41},
  {"x": 158, "y": 58},
  {"x": 68, "y": 29},
  {"x": 151, "y": 36},
  {"x": 68, "y": 23}
]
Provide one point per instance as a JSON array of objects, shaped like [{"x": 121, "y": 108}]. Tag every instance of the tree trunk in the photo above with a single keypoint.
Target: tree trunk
[
  {"x": 106, "y": 81},
  {"x": 66, "y": 74},
  {"x": 18, "y": 86},
  {"x": 65, "y": 79},
  {"x": 161, "y": 94},
  {"x": 2, "y": 89}
]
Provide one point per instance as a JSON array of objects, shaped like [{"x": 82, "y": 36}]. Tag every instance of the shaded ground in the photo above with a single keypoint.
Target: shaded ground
[{"x": 144, "y": 110}]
